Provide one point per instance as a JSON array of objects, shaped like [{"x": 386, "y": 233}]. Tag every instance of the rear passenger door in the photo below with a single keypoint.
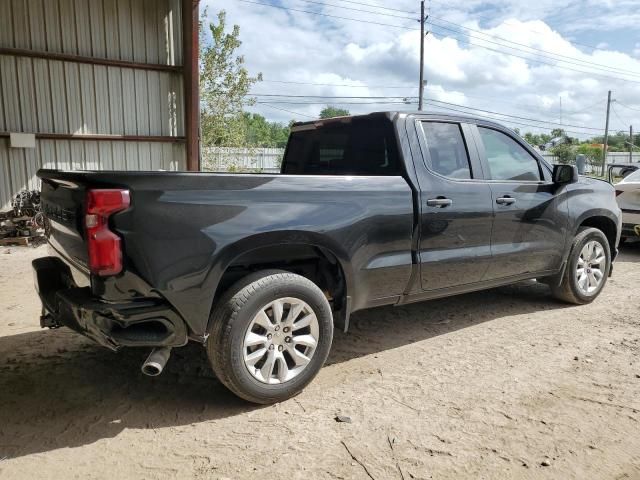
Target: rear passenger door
[
  {"x": 456, "y": 213},
  {"x": 530, "y": 221}
]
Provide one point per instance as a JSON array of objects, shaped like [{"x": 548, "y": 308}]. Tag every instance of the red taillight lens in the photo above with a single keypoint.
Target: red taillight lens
[
  {"x": 105, "y": 253},
  {"x": 618, "y": 192}
]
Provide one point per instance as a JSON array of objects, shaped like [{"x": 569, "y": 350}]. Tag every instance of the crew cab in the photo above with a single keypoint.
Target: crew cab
[{"x": 380, "y": 209}]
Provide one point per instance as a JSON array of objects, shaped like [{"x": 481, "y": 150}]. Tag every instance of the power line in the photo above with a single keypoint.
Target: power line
[
  {"x": 358, "y": 9},
  {"x": 484, "y": 17},
  {"x": 627, "y": 106},
  {"x": 307, "y": 100},
  {"x": 460, "y": 40},
  {"x": 623, "y": 122},
  {"x": 337, "y": 84},
  {"x": 571, "y": 60},
  {"x": 533, "y": 60},
  {"x": 506, "y": 120},
  {"x": 540, "y": 127},
  {"x": 518, "y": 117},
  {"x": 510, "y": 21},
  {"x": 288, "y": 111},
  {"x": 327, "y": 96},
  {"x": 427, "y": 87},
  {"x": 326, "y": 15},
  {"x": 379, "y": 6},
  {"x": 578, "y": 61},
  {"x": 284, "y": 98},
  {"x": 584, "y": 109},
  {"x": 330, "y": 102}
]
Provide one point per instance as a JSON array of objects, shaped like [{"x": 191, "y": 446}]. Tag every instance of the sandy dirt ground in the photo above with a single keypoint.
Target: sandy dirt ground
[{"x": 506, "y": 383}]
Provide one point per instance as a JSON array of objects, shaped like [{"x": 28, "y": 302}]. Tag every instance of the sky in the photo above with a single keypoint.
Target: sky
[{"x": 536, "y": 65}]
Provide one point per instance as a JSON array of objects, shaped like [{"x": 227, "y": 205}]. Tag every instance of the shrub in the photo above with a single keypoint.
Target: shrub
[
  {"x": 593, "y": 154},
  {"x": 564, "y": 153}
]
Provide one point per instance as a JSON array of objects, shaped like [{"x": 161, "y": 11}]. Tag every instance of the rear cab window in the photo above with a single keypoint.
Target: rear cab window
[{"x": 346, "y": 146}]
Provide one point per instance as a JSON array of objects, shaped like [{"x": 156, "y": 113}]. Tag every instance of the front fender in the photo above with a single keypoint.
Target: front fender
[{"x": 600, "y": 212}]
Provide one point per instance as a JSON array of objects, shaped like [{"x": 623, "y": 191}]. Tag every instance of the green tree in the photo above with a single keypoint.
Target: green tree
[
  {"x": 616, "y": 141},
  {"x": 544, "y": 138},
  {"x": 224, "y": 85},
  {"x": 531, "y": 139},
  {"x": 565, "y": 153},
  {"x": 330, "y": 112},
  {"x": 537, "y": 139},
  {"x": 262, "y": 133},
  {"x": 593, "y": 154}
]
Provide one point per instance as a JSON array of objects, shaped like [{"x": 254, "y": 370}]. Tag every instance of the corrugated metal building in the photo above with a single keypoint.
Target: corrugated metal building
[{"x": 103, "y": 84}]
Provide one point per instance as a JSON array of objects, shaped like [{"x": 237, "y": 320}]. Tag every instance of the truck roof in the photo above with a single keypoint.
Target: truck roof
[{"x": 392, "y": 114}]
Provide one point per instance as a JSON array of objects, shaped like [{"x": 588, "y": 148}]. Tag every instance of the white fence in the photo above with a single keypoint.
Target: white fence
[
  {"x": 612, "y": 157},
  {"x": 621, "y": 157},
  {"x": 226, "y": 159},
  {"x": 268, "y": 160}
]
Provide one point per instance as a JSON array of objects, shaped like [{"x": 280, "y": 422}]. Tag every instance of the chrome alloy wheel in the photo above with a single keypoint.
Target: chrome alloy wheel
[
  {"x": 280, "y": 340},
  {"x": 591, "y": 267}
]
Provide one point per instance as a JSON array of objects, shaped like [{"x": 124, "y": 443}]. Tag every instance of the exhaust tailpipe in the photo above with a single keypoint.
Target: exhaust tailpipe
[{"x": 155, "y": 362}]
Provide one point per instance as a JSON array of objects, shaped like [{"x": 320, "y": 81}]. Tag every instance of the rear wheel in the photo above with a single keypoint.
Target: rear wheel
[
  {"x": 271, "y": 334},
  {"x": 587, "y": 268}
]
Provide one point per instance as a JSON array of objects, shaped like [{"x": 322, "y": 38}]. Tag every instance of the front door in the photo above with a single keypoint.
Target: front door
[
  {"x": 455, "y": 207},
  {"x": 530, "y": 224}
]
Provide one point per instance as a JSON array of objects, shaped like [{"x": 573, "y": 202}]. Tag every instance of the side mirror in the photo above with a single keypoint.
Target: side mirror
[{"x": 564, "y": 174}]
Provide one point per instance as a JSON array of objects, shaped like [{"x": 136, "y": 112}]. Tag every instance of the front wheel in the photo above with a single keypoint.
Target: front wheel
[
  {"x": 271, "y": 333},
  {"x": 587, "y": 268}
]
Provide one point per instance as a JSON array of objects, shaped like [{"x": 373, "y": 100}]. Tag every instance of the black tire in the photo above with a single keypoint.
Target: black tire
[
  {"x": 568, "y": 289},
  {"x": 233, "y": 315}
]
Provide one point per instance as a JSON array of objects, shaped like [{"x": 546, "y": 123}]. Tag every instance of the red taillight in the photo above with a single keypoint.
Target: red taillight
[
  {"x": 618, "y": 192},
  {"x": 105, "y": 254}
]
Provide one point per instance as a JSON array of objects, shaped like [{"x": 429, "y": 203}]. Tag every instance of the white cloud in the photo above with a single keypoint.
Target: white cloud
[{"x": 368, "y": 60}]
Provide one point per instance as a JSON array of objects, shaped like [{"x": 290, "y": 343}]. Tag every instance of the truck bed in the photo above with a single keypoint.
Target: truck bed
[{"x": 183, "y": 229}]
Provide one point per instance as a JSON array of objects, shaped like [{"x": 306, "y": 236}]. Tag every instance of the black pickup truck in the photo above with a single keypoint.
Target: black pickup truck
[{"x": 380, "y": 209}]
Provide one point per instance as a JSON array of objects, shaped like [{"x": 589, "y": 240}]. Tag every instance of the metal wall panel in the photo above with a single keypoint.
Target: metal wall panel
[
  {"x": 51, "y": 96},
  {"x": 146, "y": 31}
]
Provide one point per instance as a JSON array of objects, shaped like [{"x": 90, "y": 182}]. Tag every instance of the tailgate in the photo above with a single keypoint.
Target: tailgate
[{"x": 63, "y": 206}]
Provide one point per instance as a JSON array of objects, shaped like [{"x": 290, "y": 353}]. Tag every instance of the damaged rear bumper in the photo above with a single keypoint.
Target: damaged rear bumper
[{"x": 148, "y": 322}]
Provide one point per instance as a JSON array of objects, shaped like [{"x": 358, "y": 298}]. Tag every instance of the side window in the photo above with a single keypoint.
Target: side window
[
  {"x": 447, "y": 150},
  {"x": 507, "y": 159}
]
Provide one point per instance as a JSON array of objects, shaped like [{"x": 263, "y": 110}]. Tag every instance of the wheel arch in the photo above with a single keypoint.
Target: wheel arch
[
  {"x": 601, "y": 219},
  {"x": 604, "y": 222},
  {"x": 309, "y": 254}
]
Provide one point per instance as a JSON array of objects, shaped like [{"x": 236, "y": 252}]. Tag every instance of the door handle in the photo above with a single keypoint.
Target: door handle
[
  {"x": 506, "y": 200},
  {"x": 440, "y": 202}
]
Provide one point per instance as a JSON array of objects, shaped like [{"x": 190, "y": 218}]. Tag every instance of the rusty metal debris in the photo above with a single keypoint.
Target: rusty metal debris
[{"x": 24, "y": 223}]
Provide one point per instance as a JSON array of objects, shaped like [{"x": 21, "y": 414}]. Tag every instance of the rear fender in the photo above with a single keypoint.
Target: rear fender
[{"x": 232, "y": 252}]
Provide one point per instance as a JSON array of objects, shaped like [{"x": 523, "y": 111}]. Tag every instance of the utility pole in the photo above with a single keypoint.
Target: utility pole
[
  {"x": 606, "y": 136},
  {"x": 630, "y": 143},
  {"x": 421, "y": 89},
  {"x": 560, "y": 109}
]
